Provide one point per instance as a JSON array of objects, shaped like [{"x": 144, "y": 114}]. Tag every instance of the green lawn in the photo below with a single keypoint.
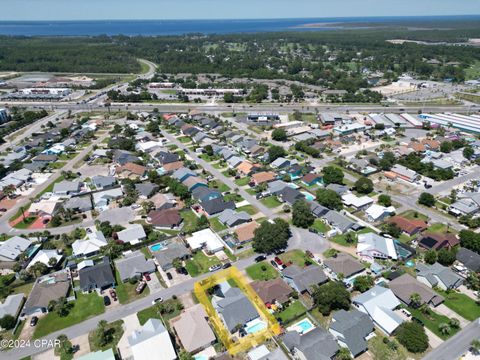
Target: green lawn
[
  {"x": 380, "y": 350},
  {"x": 262, "y": 271},
  {"x": 126, "y": 291},
  {"x": 189, "y": 220},
  {"x": 462, "y": 304},
  {"x": 115, "y": 332},
  {"x": 184, "y": 139},
  {"x": 271, "y": 202},
  {"x": 342, "y": 239},
  {"x": 200, "y": 263},
  {"x": 251, "y": 191},
  {"x": 220, "y": 186},
  {"x": 26, "y": 223},
  {"x": 233, "y": 197},
  {"x": 296, "y": 257},
  {"x": 438, "y": 228},
  {"x": 432, "y": 321},
  {"x": 414, "y": 215},
  {"x": 320, "y": 226},
  {"x": 216, "y": 225},
  {"x": 322, "y": 319},
  {"x": 57, "y": 164},
  {"x": 218, "y": 166},
  {"x": 292, "y": 312},
  {"x": 249, "y": 209},
  {"x": 242, "y": 181},
  {"x": 86, "y": 306},
  {"x": 153, "y": 312}
]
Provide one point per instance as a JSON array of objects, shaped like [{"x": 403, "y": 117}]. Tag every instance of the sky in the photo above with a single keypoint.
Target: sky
[{"x": 227, "y": 9}]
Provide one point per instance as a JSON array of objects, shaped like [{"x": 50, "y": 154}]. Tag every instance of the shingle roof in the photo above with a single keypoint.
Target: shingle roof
[
  {"x": 344, "y": 264},
  {"x": 406, "y": 285},
  {"x": 438, "y": 271},
  {"x": 165, "y": 218},
  {"x": 97, "y": 276},
  {"x": 316, "y": 344},
  {"x": 134, "y": 264},
  {"x": 305, "y": 278},
  {"x": 469, "y": 258},
  {"x": 354, "y": 327},
  {"x": 272, "y": 290},
  {"x": 216, "y": 206}
]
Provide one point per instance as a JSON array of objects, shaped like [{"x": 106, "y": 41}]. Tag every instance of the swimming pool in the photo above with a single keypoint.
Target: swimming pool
[
  {"x": 255, "y": 326},
  {"x": 156, "y": 247},
  {"x": 303, "y": 326},
  {"x": 410, "y": 263},
  {"x": 308, "y": 196},
  {"x": 293, "y": 186},
  {"x": 201, "y": 357}
]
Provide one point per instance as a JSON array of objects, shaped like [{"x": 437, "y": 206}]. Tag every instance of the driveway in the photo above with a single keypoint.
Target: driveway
[
  {"x": 444, "y": 310},
  {"x": 130, "y": 323},
  {"x": 83, "y": 345},
  {"x": 154, "y": 283}
]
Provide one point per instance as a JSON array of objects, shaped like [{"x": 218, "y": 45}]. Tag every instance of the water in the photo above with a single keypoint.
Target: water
[
  {"x": 178, "y": 27},
  {"x": 255, "y": 326},
  {"x": 308, "y": 196},
  {"x": 156, "y": 247},
  {"x": 302, "y": 326}
]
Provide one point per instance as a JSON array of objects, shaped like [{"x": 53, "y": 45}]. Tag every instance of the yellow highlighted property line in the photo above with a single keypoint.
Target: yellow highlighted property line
[{"x": 236, "y": 345}]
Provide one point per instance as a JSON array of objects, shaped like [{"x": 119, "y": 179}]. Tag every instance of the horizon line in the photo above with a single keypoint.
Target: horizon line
[{"x": 250, "y": 19}]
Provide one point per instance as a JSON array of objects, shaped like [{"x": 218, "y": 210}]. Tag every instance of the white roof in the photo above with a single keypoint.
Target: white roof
[
  {"x": 371, "y": 242},
  {"x": 44, "y": 257},
  {"x": 148, "y": 145},
  {"x": 351, "y": 199},
  {"x": 375, "y": 211},
  {"x": 45, "y": 206},
  {"x": 92, "y": 243},
  {"x": 132, "y": 234},
  {"x": 84, "y": 264},
  {"x": 207, "y": 238},
  {"x": 152, "y": 341},
  {"x": 13, "y": 247},
  {"x": 258, "y": 353}
]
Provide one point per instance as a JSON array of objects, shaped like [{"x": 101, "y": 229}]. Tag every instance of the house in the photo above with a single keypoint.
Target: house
[
  {"x": 167, "y": 218},
  {"x": 246, "y": 168},
  {"x": 352, "y": 329},
  {"x": 11, "y": 306},
  {"x": 99, "y": 355},
  {"x": 203, "y": 193},
  {"x": 316, "y": 344},
  {"x": 245, "y": 232},
  {"x": 317, "y": 209},
  {"x": 438, "y": 241},
  {"x": 262, "y": 177},
  {"x": 344, "y": 264},
  {"x": 44, "y": 256},
  {"x": 171, "y": 167},
  {"x": 338, "y": 221},
  {"x": 378, "y": 213},
  {"x": 263, "y": 353},
  {"x": 165, "y": 157},
  {"x": 134, "y": 233},
  {"x": 272, "y": 291},
  {"x": 102, "y": 199},
  {"x": 290, "y": 195},
  {"x": 215, "y": 206},
  {"x": 163, "y": 201},
  {"x": 280, "y": 163},
  {"x": 167, "y": 255},
  {"x": 469, "y": 259},
  {"x": 131, "y": 171},
  {"x": 400, "y": 171},
  {"x": 230, "y": 218},
  {"x": 123, "y": 157},
  {"x": 233, "y": 307},
  {"x": 45, "y": 159},
  {"x": 234, "y": 161},
  {"x": 404, "y": 286},
  {"x": 356, "y": 202},
  {"x": 67, "y": 188},
  {"x": 311, "y": 179},
  {"x": 134, "y": 265},
  {"x": 371, "y": 246},
  {"x": 79, "y": 204},
  {"x": 437, "y": 275},
  {"x": 146, "y": 189},
  {"x": 103, "y": 182},
  {"x": 90, "y": 245},
  {"x": 339, "y": 189},
  {"x": 149, "y": 339},
  {"x": 182, "y": 174},
  {"x": 98, "y": 276},
  {"x": 45, "y": 207},
  {"x": 47, "y": 288},
  {"x": 206, "y": 239},
  {"x": 408, "y": 226},
  {"x": 193, "y": 329},
  {"x": 11, "y": 249},
  {"x": 467, "y": 204},
  {"x": 194, "y": 182},
  {"x": 379, "y": 303},
  {"x": 302, "y": 280},
  {"x": 275, "y": 187}
]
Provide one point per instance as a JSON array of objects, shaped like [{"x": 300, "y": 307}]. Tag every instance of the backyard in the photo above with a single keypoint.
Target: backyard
[
  {"x": 262, "y": 271},
  {"x": 292, "y": 312}
]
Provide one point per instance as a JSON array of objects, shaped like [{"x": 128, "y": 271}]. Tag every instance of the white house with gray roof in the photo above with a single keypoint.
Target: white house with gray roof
[
  {"x": 133, "y": 234},
  {"x": 11, "y": 306},
  {"x": 67, "y": 188},
  {"x": 371, "y": 246},
  {"x": 12, "y": 248},
  {"x": 231, "y": 218}
]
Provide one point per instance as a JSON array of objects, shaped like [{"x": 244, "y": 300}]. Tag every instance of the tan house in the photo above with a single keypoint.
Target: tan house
[
  {"x": 263, "y": 177},
  {"x": 193, "y": 330},
  {"x": 246, "y": 232},
  {"x": 131, "y": 171}
]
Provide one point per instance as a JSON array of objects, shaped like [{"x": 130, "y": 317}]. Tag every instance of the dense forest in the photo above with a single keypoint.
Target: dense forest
[{"x": 334, "y": 59}]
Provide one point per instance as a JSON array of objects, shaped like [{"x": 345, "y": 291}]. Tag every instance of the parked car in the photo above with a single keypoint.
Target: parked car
[
  {"x": 278, "y": 260},
  {"x": 157, "y": 300},
  {"x": 260, "y": 258},
  {"x": 3, "y": 210},
  {"x": 274, "y": 264},
  {"x": 182, "y": 271},
  {"x": 33, "y": 321},
  {"x": 141, "y": 285},
  {"x": 113, "y": 294},
  {"x": 227, "y": 265},
  {"x": 147, "y": 277},
  {"x": 313, "y": 230},
  {"x": 169, "y": 276},
  {"x": 106, "y": 300},
  {"x": 214, "y": 268}
]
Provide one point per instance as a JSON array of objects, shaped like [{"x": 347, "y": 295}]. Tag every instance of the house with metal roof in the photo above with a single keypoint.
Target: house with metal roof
[
  {"x": 149, "y": 339},
  {"x": 352, "y": 329},
  {"x": 379, "y": 303},
  {"x": 371, "y": 246},
  {"x": 437, "y": 275}
]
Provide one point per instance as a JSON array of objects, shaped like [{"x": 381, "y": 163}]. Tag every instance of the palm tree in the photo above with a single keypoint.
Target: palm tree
[
  {"x": 415, "y": 300},
  {"x": 454, "y": 323},
  {"x": 475, "y": 347},
  {"x": 444, "y": 328}
]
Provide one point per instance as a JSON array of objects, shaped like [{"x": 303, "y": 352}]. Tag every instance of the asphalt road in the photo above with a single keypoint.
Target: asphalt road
[
  {"x": 447, "y": 186},
  {"x": 457, "y": 345}
]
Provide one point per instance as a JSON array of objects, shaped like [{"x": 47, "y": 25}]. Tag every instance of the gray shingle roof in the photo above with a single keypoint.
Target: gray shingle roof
[
  {"x": 436, "y": 272},
  {"x": 338, "y": 220},
  {"x": 173, "y": 251},
  {"x": 98, "y": 276},
  {"x": 231, "y": 218},
  {"x": 305, "y": 278},
  {"x": 133, "y": 265},
  {"x": 469, "y": 258},
  {"x": 316, "y": 344},
  {"x": 354, "y": 327}
]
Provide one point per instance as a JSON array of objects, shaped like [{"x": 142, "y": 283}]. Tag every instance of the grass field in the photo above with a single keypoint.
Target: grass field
[
  {"x": 414, "y": 215},
  {"x": 189, "y": 220},
  {"x": 200, "y": 263},
  {"x": 86, "y": 306},
  {"x": 271, "y": 202},
  {"x": 320, "y": 226},
  {"x": 292, "y": 312},
  {"x": 432, "y": 320},
  {"x": 242, "y": 181},
  {"x": 216, "y": 224},
  {"x": 462, "y": 304},
  {"x": 126, "y": 291},
  {"x": 115, "y": 332},
  {"x": 296, "y": 257},
  {"x": 262, "y": 271},
  {"x": 153, "y": 312},
  {"x": 249, "y": 209}
]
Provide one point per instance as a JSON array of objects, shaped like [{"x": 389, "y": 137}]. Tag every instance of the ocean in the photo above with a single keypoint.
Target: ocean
[{"x": 179, "y": 27}]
